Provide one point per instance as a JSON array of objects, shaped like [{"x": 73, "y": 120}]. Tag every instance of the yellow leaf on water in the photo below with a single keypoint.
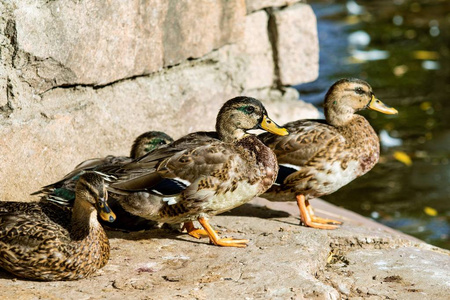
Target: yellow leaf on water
[
  {"x": 352, "y": 19},
  {"x": 430, "y": 211},
  {"x": 425, "y": 55},
  {"x": 403, "y": 157},
  {"x": 425, "y": 105}
]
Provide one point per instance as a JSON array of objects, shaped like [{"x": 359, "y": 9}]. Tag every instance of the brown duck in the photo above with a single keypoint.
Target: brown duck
[
  {"x": 63, "y": 191},
  {"x": 43, "y": 241},
  {"x": 202, "y": 174},
  {"x": 321, "y": 156}
]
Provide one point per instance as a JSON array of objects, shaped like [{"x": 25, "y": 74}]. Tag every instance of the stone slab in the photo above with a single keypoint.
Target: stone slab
[
  {"x": 250, "y": 61},
  {"x": 99, "y": 42},
  {"x": 295, "y": 33},
  {"x": 283, "y": 261}
]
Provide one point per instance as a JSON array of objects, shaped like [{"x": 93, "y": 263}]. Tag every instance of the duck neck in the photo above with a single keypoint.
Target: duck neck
[
  {"x": 339, "y": 115},
  {"x": 229, "y": 132},
  {"x": 84, "y": 220}
]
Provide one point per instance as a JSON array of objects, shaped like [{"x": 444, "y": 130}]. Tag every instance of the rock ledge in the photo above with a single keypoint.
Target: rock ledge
[{"x": 361, "y": 260}]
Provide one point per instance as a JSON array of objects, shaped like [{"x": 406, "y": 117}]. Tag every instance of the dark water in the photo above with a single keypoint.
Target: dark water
[{"x": 401, "y": 48}]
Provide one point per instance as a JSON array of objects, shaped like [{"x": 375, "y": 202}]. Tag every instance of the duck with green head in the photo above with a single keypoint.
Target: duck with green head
[
  {"x": 43, "y": 241},
  {"x": 202, "y": 174},
  {"x": 63, "y": 191},
  {"x": 321, "y": 156}
]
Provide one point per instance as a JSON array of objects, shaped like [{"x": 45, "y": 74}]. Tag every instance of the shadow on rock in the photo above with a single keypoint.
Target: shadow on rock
[
  {"x": 7, "y": 275},
  {"x": 250, "y": 210}
]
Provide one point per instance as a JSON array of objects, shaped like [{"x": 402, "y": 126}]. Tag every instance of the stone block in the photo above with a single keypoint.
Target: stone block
[
  {"x": 250, "y": 61},
  {"x": 253, "y": 5},
  {"x": 192, "y": 30},
  {"x": 297, "y": 45},
  {"x": 99, "y": 42},
  {"x": 256, "y": 49}
]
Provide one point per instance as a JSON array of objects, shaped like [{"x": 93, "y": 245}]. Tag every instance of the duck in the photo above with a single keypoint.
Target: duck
[
  {"x": 319, "y": 157},
  {"x": 46, "y": 242},
  {"x": 63, "y": 191},
  {"x": 149, "y": 141},
  {"x": 203, "y": 173}
]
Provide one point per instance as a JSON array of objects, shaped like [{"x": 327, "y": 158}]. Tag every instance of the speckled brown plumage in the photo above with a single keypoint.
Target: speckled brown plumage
[
  {"x": 214, "y": 171},
  {"x": 42, "y": 241},
  {"x": 228, "y": 168},
  {"x": 63, "y": 191},
  {"x": 319, "y": 157}
]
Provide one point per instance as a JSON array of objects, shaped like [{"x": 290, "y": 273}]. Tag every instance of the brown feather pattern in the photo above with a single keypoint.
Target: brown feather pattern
[
  {"x": 43, "y": 241},
  {"x": 225, "y": 169},
  {"x": 328, "y": 154}
]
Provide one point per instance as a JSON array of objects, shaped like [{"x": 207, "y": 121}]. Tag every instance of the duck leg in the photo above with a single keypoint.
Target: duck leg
[
  {"x": 193, "y": 231},
  {"x": 309, "y": 218},
  {"x": 214, "y": 237},
  {"x": 317, "y": 219}
]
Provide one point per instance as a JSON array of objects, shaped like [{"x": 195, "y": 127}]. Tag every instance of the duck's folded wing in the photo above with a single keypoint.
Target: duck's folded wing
[
  {"x": 95, "y": 164},
  {"x": 308, "y": 139},
  {"x": 174, "y": 173},
  {"x": 309, "y": 143}
]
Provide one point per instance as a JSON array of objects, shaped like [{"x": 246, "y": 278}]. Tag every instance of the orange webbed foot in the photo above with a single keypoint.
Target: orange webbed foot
[
  {"x": 320, "y": 220},
  {"x": 310, "y": 219},
  {"x": 216, "y": 240},
  {"x": 193, "y": 231},
  {"x": 230, "y": 242}
]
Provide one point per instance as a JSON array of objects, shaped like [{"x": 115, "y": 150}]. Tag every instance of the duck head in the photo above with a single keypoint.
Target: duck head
[
  {"x": 349, "y": 95},
  {"x": 148, "y": 142},
  {"x": 91, "y": 189},
  {"x": 241, "y": 114}
]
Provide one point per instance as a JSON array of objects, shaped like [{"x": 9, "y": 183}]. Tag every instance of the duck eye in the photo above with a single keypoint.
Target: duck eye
[
  {"x": 247, "y": 109},
  {"x": 359, "y": 91},
  {"x": 156, "y": 142}
]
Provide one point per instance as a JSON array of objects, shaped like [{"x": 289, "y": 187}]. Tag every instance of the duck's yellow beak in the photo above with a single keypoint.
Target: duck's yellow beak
[
  {"x": 268, "y": 125},
  {"x": 377, "y": 105},
  {"x": 105, "y": 211}
]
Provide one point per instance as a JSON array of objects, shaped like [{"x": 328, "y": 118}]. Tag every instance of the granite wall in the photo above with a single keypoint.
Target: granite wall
[{"x": 81, "y": 79}]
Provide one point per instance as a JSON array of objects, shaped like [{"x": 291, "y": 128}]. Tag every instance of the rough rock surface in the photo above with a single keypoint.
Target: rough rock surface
[
  {"x": 253, "y": 5},
  {"x": 80, "y": 79},
  {"x": 252, "y": 57},
  {"x": 361, "y": 260},
  {"x": 98, "y": 42},
  {"x": 291, "y": 27}
]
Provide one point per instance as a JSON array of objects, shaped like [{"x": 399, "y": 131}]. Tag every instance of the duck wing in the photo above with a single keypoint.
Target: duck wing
[
  {"x": 309, "y": 143},
  {"x": 170, "y": 170}
]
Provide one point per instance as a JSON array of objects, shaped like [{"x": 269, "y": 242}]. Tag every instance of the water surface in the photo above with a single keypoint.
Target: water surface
[{"x": 402, "y": 49}]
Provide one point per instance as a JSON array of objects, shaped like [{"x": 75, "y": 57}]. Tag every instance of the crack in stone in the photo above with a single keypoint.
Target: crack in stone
[
  {"x": 94, "y": 86},
  {"x": 11, "y": 34},
  {"x": 129, "y": 78},
  {"x": 7, "y": 109}
]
